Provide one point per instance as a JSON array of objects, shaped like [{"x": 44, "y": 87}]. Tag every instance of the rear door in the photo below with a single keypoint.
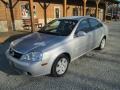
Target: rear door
[{"x": 97, "y": 29}]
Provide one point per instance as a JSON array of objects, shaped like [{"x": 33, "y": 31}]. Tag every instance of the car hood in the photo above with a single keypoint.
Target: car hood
[{"x": 35, "y": 42}]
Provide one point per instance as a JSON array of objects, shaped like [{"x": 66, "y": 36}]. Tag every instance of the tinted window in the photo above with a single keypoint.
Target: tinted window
[
  {"x": 83, "y": 26},
  {"x": 94, "y": 23}
]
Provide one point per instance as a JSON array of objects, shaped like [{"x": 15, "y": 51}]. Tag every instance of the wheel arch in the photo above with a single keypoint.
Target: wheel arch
[
  {"x": 104, "y": 37},
  {"x": 63, "y": 53}
]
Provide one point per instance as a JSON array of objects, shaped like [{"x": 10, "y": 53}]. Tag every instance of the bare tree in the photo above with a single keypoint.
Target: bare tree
[
  {"x": 11, "y": 5},
  {"x": 44, "y": 7}
]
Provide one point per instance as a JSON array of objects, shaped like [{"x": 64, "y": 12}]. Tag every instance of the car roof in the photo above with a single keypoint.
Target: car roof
[{"x": 75, "y": 17}]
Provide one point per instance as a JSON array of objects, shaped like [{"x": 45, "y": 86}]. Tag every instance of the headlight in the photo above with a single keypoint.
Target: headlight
[{"x": 33, "y": 56}]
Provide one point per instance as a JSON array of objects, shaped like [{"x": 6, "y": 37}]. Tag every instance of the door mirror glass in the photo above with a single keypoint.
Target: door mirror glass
[{"x": 80, "y": 33}]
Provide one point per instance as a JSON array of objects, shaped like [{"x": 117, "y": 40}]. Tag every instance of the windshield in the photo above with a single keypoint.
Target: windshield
[{"x": 61, "y": 27}]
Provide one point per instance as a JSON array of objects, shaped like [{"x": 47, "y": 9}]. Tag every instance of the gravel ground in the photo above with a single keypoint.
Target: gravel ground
[{"x": 97, "y": 70}]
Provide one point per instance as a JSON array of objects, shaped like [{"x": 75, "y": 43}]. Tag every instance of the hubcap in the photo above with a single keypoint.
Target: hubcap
[
  {"x": 61, "y": 66},
  {"x": 103, "y": 43}
]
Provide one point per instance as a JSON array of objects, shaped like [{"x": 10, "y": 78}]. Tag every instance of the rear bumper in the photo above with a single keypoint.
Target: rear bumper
[{"x": 29, "y": 68}]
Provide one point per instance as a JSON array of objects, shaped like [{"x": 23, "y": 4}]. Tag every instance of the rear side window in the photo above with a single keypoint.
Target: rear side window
[
  {"x": 94, "y": 24},
  {"x": 83, "y": 26}
]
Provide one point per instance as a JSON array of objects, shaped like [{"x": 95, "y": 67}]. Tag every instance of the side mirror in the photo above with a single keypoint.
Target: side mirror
[{"x": 80, "y": 34}]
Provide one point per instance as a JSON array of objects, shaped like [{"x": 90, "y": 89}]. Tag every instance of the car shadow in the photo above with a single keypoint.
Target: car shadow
[{"x": 4, "y": 64}]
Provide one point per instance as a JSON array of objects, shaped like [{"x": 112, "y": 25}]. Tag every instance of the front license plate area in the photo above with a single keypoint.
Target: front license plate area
[{"x": 13, "y": 65}]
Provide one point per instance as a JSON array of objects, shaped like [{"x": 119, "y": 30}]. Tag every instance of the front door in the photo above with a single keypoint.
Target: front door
[{"x": 82, "y": 43}]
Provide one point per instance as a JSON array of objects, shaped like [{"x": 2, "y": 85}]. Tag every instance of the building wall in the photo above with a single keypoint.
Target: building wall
[
  {"x": 3, "y": 22},
  {"x": 49, "y": 12},
  {"x": 2, "y": 12},
  {"x": 5, "y": 15},
  {"x": 17, "y": 11}
]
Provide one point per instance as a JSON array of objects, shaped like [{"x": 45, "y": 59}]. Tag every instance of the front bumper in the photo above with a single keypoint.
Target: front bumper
[{"x": 29, "y": 68}]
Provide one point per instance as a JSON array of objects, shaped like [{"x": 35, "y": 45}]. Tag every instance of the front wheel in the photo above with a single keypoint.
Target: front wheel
[{"x": 60, "y": 66}]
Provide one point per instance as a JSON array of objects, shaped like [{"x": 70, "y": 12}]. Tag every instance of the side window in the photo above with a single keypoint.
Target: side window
[
  {"x": 94, "y": 24},
  {"x": 83, "y": 26}
]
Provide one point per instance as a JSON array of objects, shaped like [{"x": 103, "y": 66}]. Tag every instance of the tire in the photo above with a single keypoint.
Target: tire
[
  {"x": 102, "y": 44},
  {"x": 60, "y": 66}
]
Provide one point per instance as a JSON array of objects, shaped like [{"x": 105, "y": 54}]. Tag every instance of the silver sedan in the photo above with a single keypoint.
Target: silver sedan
[{"x": 61, "y": 41}]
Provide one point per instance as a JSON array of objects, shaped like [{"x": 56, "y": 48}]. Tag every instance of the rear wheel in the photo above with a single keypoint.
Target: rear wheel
[
  {"x": 60, "y": 66},
  {"x": 102, "y": 44}
]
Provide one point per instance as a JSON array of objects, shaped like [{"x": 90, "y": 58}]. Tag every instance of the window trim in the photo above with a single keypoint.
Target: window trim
[
  {"x": 75, "y": 11},
  {"x": 56, "y": 7}
]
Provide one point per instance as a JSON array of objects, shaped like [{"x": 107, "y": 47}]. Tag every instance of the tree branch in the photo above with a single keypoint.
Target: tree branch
[
  {"x": 15, "y": 4},
  {"x": 41, "y": 5},
  {"x": 48, "y": 4},
  {"x": 4, "y": 2}
]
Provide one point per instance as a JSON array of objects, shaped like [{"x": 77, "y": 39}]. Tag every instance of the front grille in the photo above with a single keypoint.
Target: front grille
[{"x": 14, "y": 54}]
